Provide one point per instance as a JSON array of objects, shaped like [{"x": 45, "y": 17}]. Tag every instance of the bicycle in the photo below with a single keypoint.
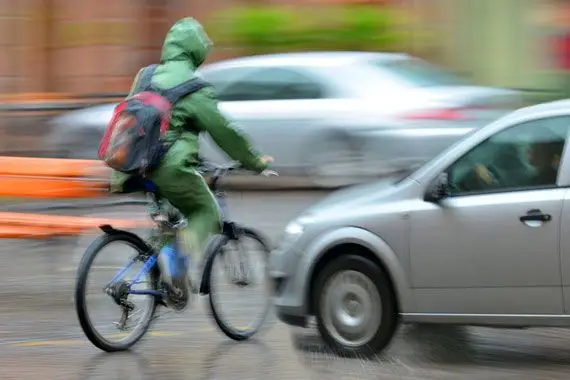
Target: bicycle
[{"x": 175, "y": 294}]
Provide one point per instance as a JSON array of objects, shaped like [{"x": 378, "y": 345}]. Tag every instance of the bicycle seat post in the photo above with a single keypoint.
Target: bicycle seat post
[
  {"x": 152, "y": 200},
  {"x": 214, "y": 182}
]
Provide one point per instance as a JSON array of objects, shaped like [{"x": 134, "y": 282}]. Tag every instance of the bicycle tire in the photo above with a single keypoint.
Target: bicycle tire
[
  {"x": 80, "y": 303},
  {"x": 216, "y": 249}
]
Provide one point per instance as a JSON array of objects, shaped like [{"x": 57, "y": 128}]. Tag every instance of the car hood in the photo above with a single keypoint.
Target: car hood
[
  {"x": 96, "y": 116},
  {"x": 343, "y": 201}
]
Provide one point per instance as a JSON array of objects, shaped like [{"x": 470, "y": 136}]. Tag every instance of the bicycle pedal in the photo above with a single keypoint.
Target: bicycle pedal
[
  {"x": 161, "y": 301},
  {"x": 193, "y": 289},
  {"x": 242, "y": 283}
]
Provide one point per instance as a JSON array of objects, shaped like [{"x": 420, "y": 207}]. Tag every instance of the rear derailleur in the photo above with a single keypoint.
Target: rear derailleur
[{"x": 119, "y": 291}]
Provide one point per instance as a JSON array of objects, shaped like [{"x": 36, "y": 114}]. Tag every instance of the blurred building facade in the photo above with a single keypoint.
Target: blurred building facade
[
  {"x": 95, "y": 46},
  {"x": 90, "y": 46},
  {"x": 510, "y": 43}
]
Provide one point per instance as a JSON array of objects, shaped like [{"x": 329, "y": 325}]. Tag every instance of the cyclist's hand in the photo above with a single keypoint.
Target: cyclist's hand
[{"x": 267, "y": 173}]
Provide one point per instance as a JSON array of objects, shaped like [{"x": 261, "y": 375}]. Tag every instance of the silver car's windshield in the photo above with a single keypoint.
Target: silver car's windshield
[
  {"x": 419, "y": 73},
  {"x": 419, "y": 172}
]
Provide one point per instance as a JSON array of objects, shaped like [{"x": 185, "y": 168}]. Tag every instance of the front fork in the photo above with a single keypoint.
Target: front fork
[
  {"x": 242, "y": 274},
  {"x": 236, "y": 264}
]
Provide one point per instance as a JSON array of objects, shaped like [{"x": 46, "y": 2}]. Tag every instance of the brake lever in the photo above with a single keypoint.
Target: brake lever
[{"x": 269, "y": 173}]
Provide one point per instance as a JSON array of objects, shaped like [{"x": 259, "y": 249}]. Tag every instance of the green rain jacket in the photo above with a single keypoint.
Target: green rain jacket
[{"x": 185, "y": 48}]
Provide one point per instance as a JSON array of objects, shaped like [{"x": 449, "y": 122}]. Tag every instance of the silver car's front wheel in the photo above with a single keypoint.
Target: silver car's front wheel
[
  {"x": 355, "y": 306},
  {"x": 352, "y": 310}
]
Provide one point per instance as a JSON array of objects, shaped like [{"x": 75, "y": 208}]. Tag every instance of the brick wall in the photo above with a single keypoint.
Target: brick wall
[
  {"x": 89, "y": 46},
  {"x": 10, "y": 19}
]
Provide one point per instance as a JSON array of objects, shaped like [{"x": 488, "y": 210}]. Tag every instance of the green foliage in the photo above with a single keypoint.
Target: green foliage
[{"x": 267, "y": 29}]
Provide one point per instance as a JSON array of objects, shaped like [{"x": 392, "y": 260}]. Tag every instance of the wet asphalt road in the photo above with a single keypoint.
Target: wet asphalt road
[{"x": 40, "y": 337}]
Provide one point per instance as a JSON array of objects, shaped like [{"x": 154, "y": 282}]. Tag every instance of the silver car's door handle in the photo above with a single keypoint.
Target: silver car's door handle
[{"x": 535, "y": 218}]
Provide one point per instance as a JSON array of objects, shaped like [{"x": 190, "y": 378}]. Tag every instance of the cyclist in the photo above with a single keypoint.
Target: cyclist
[{"x": 185, "y": 49}]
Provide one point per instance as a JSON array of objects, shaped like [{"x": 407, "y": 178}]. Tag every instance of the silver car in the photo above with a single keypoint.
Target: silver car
[
  {"x": 328, "y": 115},
  {"x": 474, "y": 237}
]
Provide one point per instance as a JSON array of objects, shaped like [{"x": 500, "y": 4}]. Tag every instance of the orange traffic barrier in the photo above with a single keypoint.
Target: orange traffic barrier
[
  {"x": 50, "y": 187},
  {"x": 50, "y": 167},
  {"x": 40, "y": 97},
  {"x": 39, "y": 226},
  {"x": 52, "y": 178},
  {"x": 17, "y": 232},
  {"x": 71, "y": 223}
]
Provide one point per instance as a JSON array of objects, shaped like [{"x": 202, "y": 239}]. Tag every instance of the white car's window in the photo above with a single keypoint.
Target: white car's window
[
  {"x": 265, "y": 84},
  {"x": 523, "y": 157},
  {"x": 419, "y": 73},
  {"x": 222, "y": 78}
]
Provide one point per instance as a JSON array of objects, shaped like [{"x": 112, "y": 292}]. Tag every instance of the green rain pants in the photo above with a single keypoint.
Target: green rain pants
[{"x": 179, "y": 182}]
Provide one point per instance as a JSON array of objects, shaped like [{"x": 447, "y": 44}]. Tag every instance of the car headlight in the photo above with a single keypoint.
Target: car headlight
[
  {"x": 293, "y": 231},
  {"x": 294, "y": 228}
]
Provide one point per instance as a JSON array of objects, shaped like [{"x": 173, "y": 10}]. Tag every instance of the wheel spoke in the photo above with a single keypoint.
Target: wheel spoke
[
  {"x": 237, "y": 260},
  {"x": 134, "y": 320}
]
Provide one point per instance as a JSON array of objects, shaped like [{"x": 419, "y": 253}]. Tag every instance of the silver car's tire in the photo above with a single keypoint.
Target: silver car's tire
[
  {"x": 355, "y": 307},
  {"x": 333, "y": 163}
]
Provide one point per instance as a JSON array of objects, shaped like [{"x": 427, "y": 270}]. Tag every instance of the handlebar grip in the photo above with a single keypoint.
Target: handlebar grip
[
  {"x": 269, "y": 173},
  {"x": 218, "y": 170}
]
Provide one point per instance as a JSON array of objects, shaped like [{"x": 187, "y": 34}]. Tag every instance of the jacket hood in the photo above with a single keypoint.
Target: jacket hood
[{"x": 186, "y": 41}]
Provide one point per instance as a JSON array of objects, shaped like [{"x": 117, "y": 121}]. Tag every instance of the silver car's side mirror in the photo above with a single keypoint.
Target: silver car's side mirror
[{"x": 438, "y": 190}]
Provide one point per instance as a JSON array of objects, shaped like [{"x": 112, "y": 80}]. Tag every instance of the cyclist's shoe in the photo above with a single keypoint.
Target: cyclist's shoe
[
  {"x": 193, "y": 278},
  {"x": 194, "y": 289}
]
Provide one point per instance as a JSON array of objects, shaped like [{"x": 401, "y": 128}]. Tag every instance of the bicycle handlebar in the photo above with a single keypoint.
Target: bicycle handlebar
[{"x": 218, "y": 171}]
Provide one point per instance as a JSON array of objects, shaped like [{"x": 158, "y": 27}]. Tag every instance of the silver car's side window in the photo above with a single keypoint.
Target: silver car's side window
[
  {"x": 271, "y": 84},
  {"x": 523, "y": 157}
]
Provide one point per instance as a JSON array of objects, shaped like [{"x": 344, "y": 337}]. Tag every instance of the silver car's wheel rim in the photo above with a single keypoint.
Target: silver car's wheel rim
[{"x": 351, "y": 308}]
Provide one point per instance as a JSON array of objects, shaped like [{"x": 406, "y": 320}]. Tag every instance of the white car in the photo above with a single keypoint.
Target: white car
[{"x": 325, "y": 114}]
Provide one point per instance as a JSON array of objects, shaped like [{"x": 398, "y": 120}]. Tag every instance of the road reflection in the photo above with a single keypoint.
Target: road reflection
[
  {"x": 239, "y": 360},
  {"x": 226, "y": 360},
  {"x": 127, "y": 365},
  {"x": 485, "y": 347},
  {"x": 436, "y": 352}
]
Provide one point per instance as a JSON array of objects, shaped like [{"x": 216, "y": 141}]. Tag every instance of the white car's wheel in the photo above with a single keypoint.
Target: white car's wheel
[
  {"x": 333, "y": 163},
  {"x": 355, "y": 307}
]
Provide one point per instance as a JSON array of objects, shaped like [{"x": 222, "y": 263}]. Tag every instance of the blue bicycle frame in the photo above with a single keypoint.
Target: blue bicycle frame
[{"x": 151, "y": 262}]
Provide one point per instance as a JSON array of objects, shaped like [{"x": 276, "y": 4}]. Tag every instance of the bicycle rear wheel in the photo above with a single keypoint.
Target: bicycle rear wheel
[
  {"x": 235, "y": 266},
  {"x": 120, "y": 339}
]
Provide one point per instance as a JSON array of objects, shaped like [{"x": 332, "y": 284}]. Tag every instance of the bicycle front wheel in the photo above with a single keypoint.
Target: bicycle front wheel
[{"x": 237, "y": 277}]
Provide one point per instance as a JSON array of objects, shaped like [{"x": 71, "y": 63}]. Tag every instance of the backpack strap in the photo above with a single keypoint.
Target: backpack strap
[
  {"x": 193, "y": 85},
  {"x": 144, "y": 82}
]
